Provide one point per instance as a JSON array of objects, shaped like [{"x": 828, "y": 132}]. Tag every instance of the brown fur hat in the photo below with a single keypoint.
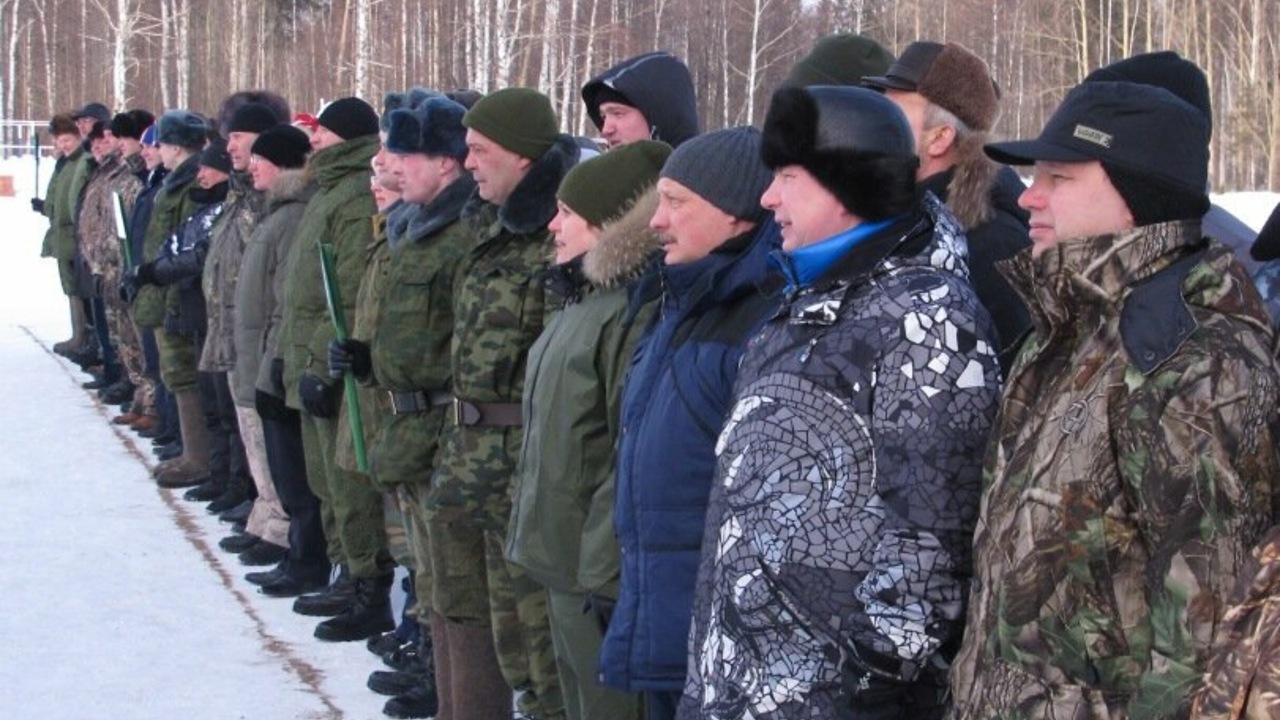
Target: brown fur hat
[{"x": 948, "y": 76}]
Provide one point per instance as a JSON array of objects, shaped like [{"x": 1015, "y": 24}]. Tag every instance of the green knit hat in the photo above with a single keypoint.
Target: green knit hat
[
  {"x": 519, "y": 119},
  {"x": 604, "y": 187},
  {"x": 839, "y": 59}
]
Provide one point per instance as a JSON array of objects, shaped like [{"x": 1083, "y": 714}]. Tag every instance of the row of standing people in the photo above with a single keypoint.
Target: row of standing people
[{"x": 722, "y": 454}]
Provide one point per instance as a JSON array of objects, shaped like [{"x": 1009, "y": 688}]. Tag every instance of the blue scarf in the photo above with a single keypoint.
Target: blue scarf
[{"x": 804, "y": 265}]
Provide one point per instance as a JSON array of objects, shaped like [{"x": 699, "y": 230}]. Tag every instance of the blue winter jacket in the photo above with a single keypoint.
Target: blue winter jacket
[{"x": 677, "y": 393}]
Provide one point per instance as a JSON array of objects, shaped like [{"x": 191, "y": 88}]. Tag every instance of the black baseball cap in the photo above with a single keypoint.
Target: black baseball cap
[
  {"x": 94, "y": 110},
  {"x": 1141, "y": 128}
]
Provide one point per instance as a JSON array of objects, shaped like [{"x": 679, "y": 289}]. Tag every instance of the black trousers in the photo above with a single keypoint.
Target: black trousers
[{"x": 308, "y": 551}]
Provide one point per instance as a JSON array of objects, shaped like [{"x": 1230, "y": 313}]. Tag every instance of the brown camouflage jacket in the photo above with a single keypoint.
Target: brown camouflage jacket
[
  {"x": 231, "y": 232},
  {"x": 96, "y": 226},
  {"x": 1243, "y": 680},
  {"x": 1128, "y": 477}
]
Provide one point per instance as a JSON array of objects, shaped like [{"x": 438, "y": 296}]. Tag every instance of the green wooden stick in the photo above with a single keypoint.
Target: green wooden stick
[{"x": 333, "y": 296}]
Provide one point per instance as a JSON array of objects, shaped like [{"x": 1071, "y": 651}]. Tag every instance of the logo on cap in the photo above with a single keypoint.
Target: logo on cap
[{"x": 1097, "y": 137}]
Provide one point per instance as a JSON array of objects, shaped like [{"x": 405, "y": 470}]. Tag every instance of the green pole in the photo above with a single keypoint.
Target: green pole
[{"x": 332, "y": 296}]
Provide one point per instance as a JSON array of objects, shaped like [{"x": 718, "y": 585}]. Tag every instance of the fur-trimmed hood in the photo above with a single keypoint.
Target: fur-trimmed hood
[
  {"x": 533, "y": 201},
  {"x": 625, "y": 245},
  {"x": 290, "y": 186}
]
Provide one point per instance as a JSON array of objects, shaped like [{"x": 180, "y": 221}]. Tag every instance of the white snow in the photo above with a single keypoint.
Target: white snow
[{"x": 117, "y": 602}]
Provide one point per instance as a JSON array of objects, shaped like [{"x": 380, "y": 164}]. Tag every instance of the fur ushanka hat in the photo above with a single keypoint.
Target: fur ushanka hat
[{"x": 854, "y": 141}]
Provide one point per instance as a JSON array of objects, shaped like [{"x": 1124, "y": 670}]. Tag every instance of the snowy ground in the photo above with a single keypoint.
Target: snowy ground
[{"x": 117, "y": 602}]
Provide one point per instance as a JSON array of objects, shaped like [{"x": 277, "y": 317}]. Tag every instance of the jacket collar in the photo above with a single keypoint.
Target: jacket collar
[
  {"x": 333, "y": 164},
  {"x": 533, "y": 201},
  {"x": 418, "y": 222},
  {"x": 182, "y": 175}
]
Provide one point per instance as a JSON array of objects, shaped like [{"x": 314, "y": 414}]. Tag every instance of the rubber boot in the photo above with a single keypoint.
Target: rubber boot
[
  {"x": 192, "y": 466},
  {"x": 66, "y": 347}
]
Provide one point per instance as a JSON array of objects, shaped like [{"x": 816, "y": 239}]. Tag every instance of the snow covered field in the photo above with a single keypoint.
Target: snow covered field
[{"x": 116, "y": 601}]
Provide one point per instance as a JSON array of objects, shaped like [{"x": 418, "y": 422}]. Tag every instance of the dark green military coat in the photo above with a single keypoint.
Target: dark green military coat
[{"x": 339, "y": 215}]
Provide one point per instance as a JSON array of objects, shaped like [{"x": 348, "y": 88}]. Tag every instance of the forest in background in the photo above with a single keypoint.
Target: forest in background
[{"x": 190, "y": 53}]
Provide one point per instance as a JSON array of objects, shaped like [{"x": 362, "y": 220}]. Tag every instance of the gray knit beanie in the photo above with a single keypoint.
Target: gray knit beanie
[{"x": 725, "y": 168}]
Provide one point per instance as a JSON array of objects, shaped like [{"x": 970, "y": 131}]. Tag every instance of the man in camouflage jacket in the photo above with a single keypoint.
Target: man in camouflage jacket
[
  {"x": 1132, "y": 464},
  {"x": 499, "y": 310}
]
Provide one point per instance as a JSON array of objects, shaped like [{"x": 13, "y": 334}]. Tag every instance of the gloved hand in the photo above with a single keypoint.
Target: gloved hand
[
  {"x": 128, "y": 288},
  {"x": 269, "y": 406},
  {"x": 351, "y": 355},
  {"x": 601, "y": 608},
  {"x": 319, "y": 399},
  {"x": 37, "y": 206},
  {"x": 144, "y": 274}
]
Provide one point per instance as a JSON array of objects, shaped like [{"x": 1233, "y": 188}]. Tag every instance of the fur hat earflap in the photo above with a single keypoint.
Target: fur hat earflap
[
  {"x": 432, "y": 128},
  {"x": 855, "y": 142}
]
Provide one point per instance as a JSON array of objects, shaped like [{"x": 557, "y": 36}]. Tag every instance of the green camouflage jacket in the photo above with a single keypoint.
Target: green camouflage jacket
[
  {"x": 377, "y": 260},
  {"x": 1128, "y": 476},
  {"x": 231, "y": 231},
  {"x": 339, "y": 215},
  {"x": 173, "y": 204},
  {"x": 499, "y": 309}
]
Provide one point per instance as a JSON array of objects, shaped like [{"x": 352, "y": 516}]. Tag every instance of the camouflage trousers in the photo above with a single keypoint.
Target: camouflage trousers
[
  {"x": 128, "y": 343},
  {"x": 357, "y": 523},
  {"x": 474, "y": 585},
  {"x": 178, "y": 358},
  {"x": 267, "y": 520},
  {"x": 414, "y": 541}
]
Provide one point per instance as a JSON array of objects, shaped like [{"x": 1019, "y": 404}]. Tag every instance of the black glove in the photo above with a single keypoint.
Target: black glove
[
  {"x": 37, "y": 206},
  {"x": 145, "y": 274},
  {"x": 97, "y": 285},
  {"x": 128, "y": 289},
  {"x": 319, "y": 399},
  {"x": 349, "y": 355},
  {"x": 269, "y": 406},
  {"x": 601, "y": 608}
]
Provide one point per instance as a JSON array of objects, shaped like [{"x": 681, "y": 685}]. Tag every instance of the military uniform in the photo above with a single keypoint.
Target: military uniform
[
  {"x": 499, "y": 311},
  {"x": 1130, "y": 472},
  {"x": 339, "y": 215},
  {"x": 60, "y": 204}
]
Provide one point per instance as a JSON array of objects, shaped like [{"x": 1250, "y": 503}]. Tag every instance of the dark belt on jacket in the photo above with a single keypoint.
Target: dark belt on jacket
[
  {"x": 417, "y": 401},
  {"x": 466, "y": 412}
]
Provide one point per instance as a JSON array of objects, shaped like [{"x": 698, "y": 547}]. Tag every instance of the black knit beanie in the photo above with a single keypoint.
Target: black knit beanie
[
  {"x": 349, "y": 118},
  {"x": 215, "y": 156},
  {"x": 284, "y": 145},
  {"x": 839, "y": 59},
  {"x": 252, "y": 118},
  {"x": 123, "y": 126},
  {"x": 725, "y": 169}
]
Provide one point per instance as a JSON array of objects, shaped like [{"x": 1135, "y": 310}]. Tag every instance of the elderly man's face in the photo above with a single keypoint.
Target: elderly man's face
[{"x": 690, "y": 226}]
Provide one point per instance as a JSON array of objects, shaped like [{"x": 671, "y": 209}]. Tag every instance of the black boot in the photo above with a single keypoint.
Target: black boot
[
  {"x": 369, "y": 615},
  {"x": 237, "y": 490},
  {"x": 208, "y": 491},
  {"x": 420, "y": 702},
  {"x": 331, "y": 601}
]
